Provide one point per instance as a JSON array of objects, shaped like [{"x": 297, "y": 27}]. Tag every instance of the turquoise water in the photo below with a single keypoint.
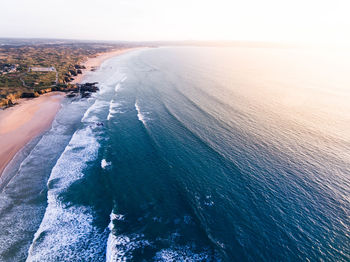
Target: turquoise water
[{"x": 205, "y": 154}]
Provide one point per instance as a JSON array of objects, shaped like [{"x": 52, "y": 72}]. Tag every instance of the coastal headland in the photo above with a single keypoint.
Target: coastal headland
[
  {"x": 93, "y": 63},
  {"x": 30, "y": 117}
]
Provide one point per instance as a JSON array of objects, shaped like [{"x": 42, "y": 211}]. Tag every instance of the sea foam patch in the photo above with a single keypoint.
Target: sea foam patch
[
  {"x": 114, "y": 108},
  {"x": 117, "y": 87},
  {"x": 123, "y": 78},
  {"x": 142, "y": 116},
  {"x": 120, "y": 247},
  {"x": 105, "y": 164},
  {"x": 98, "y": 107},
  {"x": 167, "y": 255},
  {"x": 66, "y": 232}
]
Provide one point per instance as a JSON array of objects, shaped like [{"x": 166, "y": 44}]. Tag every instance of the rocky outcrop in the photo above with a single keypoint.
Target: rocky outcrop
[
  {"x": 73, "y": 72},
  {"x": 4, "y": 102},
  {"x": 90, "y": 87},
  {"x": 46, "y": 90},
  {"x": 29, "y": 94},
  {"x": 79, "y": 67},
  {"x": 80, "y": 90},
  {"x": 9, "y": 100},
  {"x": 84, "y": 90},
  {"x": 87, "y": 88},
  {"x": 71, "y": 94}
]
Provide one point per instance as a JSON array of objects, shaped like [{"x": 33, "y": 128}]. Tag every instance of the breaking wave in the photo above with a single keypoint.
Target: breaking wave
[
  {"x": 67, "y": 230},
  {"x": 140, "y": 115}
]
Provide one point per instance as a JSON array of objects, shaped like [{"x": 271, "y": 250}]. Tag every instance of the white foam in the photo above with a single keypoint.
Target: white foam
[
  {"x": 142, "y": 117},
  {"x": 208, "y": 201},
  {"x": 117, "y": 217},
  {"x": 120, "y": 247},
  {"x": 109, "y": 116},
  {"x": 113, "y": 254},
  {"x": 181, "y": 254},
  {"x": 64, "y": 227},
  {"x": 102, "y": 89},
  {"x": 123, "y": 79},
  {"x": 113, "y": 106},
  {"x": 117, "y": 87},
  {"x": 115, "y": 76},
  {"x": 105, "y": 164},
  {"x": 98, "y": 106}
]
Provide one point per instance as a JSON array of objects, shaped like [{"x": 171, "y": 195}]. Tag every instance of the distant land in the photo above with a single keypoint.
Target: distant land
[{"x": 30, "y": 67}]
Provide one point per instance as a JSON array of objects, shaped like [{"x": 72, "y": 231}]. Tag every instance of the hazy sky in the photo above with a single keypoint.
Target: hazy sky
[{"x": 259, "y": 20}]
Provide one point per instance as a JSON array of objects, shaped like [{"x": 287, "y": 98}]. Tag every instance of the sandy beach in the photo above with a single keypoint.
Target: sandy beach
[
  {"x": 95, "y": 62},
  {"x": 23, "y": 122}
]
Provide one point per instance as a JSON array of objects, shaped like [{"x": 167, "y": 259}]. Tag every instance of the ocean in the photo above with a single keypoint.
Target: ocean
[{"x": 191, "y": 154}]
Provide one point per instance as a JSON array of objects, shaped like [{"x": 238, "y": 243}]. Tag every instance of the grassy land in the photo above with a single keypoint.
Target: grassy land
[
  {"x": 63, "y": 55},
  {"x": 39, "y": 80}
]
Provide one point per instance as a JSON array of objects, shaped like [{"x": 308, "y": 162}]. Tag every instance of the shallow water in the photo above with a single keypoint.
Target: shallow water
[{"x": 205, "y": 154}]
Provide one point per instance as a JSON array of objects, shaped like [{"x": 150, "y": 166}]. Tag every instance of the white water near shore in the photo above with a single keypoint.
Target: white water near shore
[
  {"x": 192, "y": 163},
  {"x": 64, "y": 227}
]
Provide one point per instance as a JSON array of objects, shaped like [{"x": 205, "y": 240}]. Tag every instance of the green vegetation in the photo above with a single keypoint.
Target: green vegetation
[
  {"x": 16, "y": 61},
  {"x": 38, "y": 80},
  {"x": 9, "y": 81}
]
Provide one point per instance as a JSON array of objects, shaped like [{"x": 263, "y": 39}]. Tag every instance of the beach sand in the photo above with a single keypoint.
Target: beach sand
[
  {"x": 31, "y": 117},
  {"x": 23, "y": 122},
  {"x": 95, "y": 62}
]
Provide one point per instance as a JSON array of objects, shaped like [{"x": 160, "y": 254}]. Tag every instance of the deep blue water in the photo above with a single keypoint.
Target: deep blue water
[{"x": 205, "y": 154}]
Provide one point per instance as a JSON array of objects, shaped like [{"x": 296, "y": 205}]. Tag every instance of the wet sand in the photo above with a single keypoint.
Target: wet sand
[
  {"x": 25, "y": 121},
  {"x": 95, "y": 62},
  {"x": 21, "y": 123}
]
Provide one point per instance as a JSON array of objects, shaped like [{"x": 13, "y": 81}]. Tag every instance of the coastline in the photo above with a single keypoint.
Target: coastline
[
  {"x": 32, "y": 116},
  {"x": 95, "y": 62},
  {"x": 21, "y": 123}
]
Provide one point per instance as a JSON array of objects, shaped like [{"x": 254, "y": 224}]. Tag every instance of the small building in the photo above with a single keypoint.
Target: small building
[{"x": 42, "y": 69}]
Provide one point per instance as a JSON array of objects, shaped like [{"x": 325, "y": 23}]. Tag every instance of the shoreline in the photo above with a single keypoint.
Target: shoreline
[
  {"x": 94, "y": 63},
  {"x": 30, "y": 117},
  {"x": 25, "y": 121}
]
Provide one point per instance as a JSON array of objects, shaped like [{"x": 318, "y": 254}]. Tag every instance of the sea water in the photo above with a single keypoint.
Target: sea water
[{"x": 192, "y": 154}]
